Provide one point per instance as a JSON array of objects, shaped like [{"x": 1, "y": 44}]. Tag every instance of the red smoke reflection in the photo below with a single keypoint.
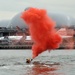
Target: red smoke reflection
[{"x": 43, "y": 70}]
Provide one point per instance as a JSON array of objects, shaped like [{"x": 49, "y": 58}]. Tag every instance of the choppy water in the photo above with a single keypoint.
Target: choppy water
[{"x": 60, "y": 62}]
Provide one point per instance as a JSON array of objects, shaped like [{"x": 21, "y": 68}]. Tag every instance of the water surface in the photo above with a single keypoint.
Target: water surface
[{"x": 60, "y": 62}]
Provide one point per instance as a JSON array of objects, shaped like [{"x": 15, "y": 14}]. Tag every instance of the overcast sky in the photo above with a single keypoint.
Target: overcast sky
[{"x": 9, "y": 8}]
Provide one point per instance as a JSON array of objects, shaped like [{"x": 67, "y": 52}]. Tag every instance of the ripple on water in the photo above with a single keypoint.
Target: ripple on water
[{"x": 42, "y": 65}]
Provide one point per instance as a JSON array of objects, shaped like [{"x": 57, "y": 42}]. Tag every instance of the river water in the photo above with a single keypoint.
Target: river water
[{"x": 58, "y": 62}]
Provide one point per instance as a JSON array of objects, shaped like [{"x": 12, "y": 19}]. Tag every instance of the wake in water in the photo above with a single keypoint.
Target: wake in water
[{"x": 44, "y": 65}]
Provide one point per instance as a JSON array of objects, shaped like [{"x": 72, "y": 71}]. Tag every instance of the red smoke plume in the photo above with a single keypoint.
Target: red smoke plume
[{"x": 42, "y": 30}]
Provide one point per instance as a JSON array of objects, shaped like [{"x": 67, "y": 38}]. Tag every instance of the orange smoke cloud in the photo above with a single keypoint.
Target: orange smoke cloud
[{"x": 42, "y": 30}]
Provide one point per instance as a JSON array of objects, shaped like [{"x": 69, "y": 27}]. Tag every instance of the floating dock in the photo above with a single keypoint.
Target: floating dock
[{"x": 15, "y": 46}]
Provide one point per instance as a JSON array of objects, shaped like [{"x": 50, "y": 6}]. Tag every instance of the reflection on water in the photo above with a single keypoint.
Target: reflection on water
[
  {"x": 45, "y": 64},
  {"x": 42, "y": 70}
]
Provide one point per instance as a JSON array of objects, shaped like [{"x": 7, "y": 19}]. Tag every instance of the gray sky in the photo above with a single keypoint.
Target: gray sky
[{"x": 9, "y": 8}]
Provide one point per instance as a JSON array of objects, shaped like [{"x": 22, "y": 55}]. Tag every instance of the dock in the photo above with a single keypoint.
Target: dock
[{"x": 15, "y": 46}]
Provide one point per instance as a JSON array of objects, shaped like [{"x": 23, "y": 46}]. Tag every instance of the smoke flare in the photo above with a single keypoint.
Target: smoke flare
[{"x": 42, "y": 30}]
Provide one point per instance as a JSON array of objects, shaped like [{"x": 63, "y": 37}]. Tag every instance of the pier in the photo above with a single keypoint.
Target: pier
[{"x": 15, "y": 46}]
